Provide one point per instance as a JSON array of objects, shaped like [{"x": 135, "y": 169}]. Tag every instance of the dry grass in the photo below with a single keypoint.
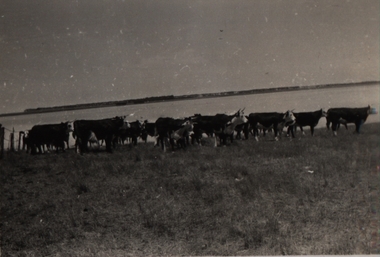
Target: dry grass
[{"x": 249, "y": 198}]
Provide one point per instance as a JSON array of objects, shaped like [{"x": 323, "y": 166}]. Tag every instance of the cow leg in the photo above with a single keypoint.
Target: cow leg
[
  {"x": 292, "y": 132},
  {"x": 222, "y": 139},
  {"x": 289, "y": 129},
  {"x": 162, "y": 141},
  {"x": 334, "y": 127},
  {"x": 199, "y": 140},
  {"x": 171, "y": 141},
  {"x": 303, "y": 132},
  {"x": 328, "y": 124},
  {"x": 109, "y": 146},
  {"x": 312, "y": 130},
  {"x": 156, "y": 141},
  {"x": 358, "y": 126},
  {"x": 246, "y": 132},
  {"x": 78, "y": 146},
  {"x": 256, "y": 133},
  {"x": 163, "y": 145},
  {"x": 275, "y": 129},
  {"x": 60, "y": 145},
  {"x": 33, "y": 149},
  {"x": 108, "y": 140}
]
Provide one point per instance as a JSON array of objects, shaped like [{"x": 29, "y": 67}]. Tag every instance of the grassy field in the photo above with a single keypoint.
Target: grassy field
[{"x": 310, "y": 195}]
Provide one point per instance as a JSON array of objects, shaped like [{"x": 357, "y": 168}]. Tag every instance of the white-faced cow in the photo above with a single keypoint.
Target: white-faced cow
[
  {"x": 358, "y": 116},
  {"x": 270, "y": 120}
]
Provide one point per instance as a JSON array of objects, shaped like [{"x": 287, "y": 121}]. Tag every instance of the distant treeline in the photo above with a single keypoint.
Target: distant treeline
[
  {"x": 182, "y": 97},
  {"x": 102, "y": 104}
]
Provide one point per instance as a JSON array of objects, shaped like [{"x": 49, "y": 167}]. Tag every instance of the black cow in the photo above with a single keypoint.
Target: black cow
[
  {"x": 180, "y": 137},
  {"x": 133, "y": 131},
  {"x": 105, "y": 129},
  {"x": 47, "y": 135},
  {"x": 164, "y": 128},
  {"x": 203, "y": 124},
  {"x": 220, "y": 125},
  {"x": 358, "y": 116},
  {"x": 307, "y": 119},
  {"x": 148, "y": 129},
  {"x": 270, "y": 120}
]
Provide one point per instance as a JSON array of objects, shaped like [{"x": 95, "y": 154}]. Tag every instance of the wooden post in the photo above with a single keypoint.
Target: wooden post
[
  {"x": 1, "y": 142},
  {"x": 20, "y": 135},
  {"x": 12, "y": 140}
]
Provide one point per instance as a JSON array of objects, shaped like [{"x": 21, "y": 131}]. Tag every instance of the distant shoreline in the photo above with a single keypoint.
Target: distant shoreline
[{"x": 169, "y": 98}]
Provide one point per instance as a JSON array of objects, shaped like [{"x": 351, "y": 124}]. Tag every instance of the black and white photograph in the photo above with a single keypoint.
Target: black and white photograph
[{"x": 189, "y": 127}]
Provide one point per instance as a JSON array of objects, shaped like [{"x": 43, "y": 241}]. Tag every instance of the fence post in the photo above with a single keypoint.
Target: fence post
[
  {"x": 12, "y": 140},
  {"x": 1, "y": 142},
  {"x": 20, "y": 134}
]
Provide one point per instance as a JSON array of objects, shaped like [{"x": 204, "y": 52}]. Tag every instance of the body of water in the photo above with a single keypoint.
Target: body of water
[{"x": 299, "y": 101}]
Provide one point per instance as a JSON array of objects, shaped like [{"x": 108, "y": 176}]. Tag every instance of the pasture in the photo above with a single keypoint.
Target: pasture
[{"x": 310, "y": 195}]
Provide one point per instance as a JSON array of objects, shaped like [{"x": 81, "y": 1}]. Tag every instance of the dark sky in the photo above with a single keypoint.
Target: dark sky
[{"x": 68, "y": 52}]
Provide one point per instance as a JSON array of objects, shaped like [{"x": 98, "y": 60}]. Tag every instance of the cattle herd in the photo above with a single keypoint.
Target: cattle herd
[{"x": 182, "y": 132}]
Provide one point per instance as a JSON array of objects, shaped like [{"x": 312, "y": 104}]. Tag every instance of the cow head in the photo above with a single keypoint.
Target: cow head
[
  {"x": 289, "y": 118},
  {"x": 67, "y": 127},
  {"x": 189, "y": 125},
  {"x": 122, "y": 122},
  {"x": 323, "y": 113},
  {"x": 70, "y": 126},
  {"x": 239, "y": 118}
]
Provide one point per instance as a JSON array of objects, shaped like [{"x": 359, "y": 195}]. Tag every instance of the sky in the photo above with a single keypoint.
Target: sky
[{"x": 57, "y": 53}]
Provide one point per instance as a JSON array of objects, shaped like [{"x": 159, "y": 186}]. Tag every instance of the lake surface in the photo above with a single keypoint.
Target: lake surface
[{"x": 300, "y": 101}]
